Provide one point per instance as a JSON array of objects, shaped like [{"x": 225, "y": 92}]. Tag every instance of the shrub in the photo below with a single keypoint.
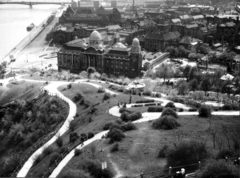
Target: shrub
[
  {"x": 145, "y": 101},
  {"x": 121, "y": 110},
  {"x": 187, "y": 152},
  {"x": 218, "y": 168},
  {"x": 170, "y": 105},
  {"x": 166, "y": 122},
  {"x": 93, "y": 167},
  {"x": 162, "y": 152},
  {"x": 124, "y": 116},
  {"x": 116, "y": 125},
  {"x": 107, "y": 125},
  {"x": 114, "y": 147},
  {"x": 204, "y": 111},
  {"x": 147, "y": 93},
  {"x": 229, "y": 107},
  {"x": 192, "y": 109},
  {"x": 72, "y": 125},
  {"x": 70, "y": 173},
  {"x": 222, "y": 154},
  {"x": 134, "y": 116},
  {"x": 77, "y": 97},
  {"x": 180, "y": 109},
  {"x": 90, "y": 135},
  {"x": 77, "y": 152},
  {"x": 169, "y": 112},
  {"x": 73, "y": 136},
  {"x": 69, "y": 86},
  {"x": 106, "y": 96},
  {"x": 158, "y": 95},
  {"x": 48, "y": 150},
  {"x": 59, "y": 141},
  {"x": 101, "y": 90},
  {"x": 128, "y": 126},
  {"x": 53, "y": 158},
  {"x": 115, "y": 135},
  {"x": 155, "y": 109}
]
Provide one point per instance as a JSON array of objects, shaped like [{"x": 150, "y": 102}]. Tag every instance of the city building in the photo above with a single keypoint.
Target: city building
[{"x": 80, "y": 54}]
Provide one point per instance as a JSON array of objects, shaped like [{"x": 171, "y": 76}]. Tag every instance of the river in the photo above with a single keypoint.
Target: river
[{"x": 13, "y": 22}]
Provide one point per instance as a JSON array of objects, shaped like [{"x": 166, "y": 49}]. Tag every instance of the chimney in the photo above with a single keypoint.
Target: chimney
[
  {"x": 114, "y": 4},
  {"x": 96, "y": 4}
]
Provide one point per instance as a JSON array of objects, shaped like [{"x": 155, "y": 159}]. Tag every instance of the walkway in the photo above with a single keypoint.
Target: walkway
[{"x": 52, "y": 89}]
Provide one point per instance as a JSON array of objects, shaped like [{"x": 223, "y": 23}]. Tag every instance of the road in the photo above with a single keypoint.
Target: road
[{"x": 29, "y": 56}]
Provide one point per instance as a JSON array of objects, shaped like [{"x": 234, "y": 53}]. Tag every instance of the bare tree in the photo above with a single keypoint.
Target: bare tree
[{"x": 213, "y": 130}]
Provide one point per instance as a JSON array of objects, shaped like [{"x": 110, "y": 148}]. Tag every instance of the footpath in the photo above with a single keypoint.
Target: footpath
[{"x": 52, "y": 90}]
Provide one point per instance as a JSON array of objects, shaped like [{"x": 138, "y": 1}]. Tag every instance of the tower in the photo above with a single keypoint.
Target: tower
[
  {"x": 96, "y": 4},
  {"x": 135, "y": 59},
  {"x": 114, "y": 4}
]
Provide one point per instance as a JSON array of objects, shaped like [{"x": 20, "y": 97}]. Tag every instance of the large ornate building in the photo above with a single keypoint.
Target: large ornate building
[{"x": 117, "y": 60}]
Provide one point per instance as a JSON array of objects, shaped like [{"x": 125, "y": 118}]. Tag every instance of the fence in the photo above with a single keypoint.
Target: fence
[{"x": 191, "y": 170}]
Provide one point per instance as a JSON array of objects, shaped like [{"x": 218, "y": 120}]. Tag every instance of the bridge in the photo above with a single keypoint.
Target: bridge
[{"x": 35, "y": 2}]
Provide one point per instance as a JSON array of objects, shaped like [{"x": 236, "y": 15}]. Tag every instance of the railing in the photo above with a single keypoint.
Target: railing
[{"x": 170, "y": 172}]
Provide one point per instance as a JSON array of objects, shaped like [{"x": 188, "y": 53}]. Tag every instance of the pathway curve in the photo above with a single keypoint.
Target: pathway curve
[{"x": 145, "y": 117}]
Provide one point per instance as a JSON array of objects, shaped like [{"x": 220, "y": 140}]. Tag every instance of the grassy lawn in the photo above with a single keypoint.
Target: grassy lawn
[
  {"x": 138, "y": 151},
  {"x": 20, "y": 90}
]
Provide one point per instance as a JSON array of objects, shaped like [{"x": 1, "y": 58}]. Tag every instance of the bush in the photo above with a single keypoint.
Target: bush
[
  {"x": 192, "y": 109},
  {"x": 155, "y": 109},
  {"x": 73, "y": 136},
  {"x": 115, "y": 135},
  {"x": 158, "y": 95},
  {"x": 62, "y": 150},
  {"x": 114, "y": 147},
  {"x": 69, "y": 86},
  {"x": 204, "y": 111},
  {"x": 77, "y": 97},
  {"x": 101, "y": 90},
  {"x": 169, "y": 112},
  {"x": 166, "y": 122},
  {"x": 106, "y": 96},
  {"x": 134, "y": 116},
  {"x": 187, "y": 152},
  {"x": 72, "y": 125},
  {"x": 223, "y": 154},
  {"x": 229, "y": 107},
  {"x": 128, "y": 126},
  {"x": 121, "y": 110},
  {"x": 163, "y": 152},
  {"x": 48, "y": 150},
  {"x": 170, "y": 105},
  {"x": 93, "y": 167},
  {"x": 124, "y": 116},
  {"x": 218, "y": 168},
  {"x": 107, "y": 125},
  {"x": 70, "y": 173},
  {"x": 145, "y": 101},
  {"x": 59, "y": 141},
  {"x": 180, "y": 109},
  {"x": 53, "y": 158},
  {"x": 77, "y": 152},
  {"x": 90, "y": 135},
  {"x": 147, "y": 93}
]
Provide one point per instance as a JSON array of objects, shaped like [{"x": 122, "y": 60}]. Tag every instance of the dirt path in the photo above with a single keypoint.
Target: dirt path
[{"x": 119, "y": 173}]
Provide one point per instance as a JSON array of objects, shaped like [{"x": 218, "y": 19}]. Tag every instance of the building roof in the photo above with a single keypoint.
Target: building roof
[
  {"x": 95, "y": 36},
  {"x": 185, "y": 17},
  {"x": 163, "y": 36},
  {"x": 113, "y": 27},
  {"x": 176, "y": 20},
  {"x": 192, "y": 25},
  {"x": 188, "y": 40},
  {"x": 197, "y": 17}
]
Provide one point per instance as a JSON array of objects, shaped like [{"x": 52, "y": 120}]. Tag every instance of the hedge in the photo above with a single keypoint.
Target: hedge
[
  {"x": 145, "y": 101},
  {"x": 155, "y": 109},
  {"x": 134, "y": 116}
]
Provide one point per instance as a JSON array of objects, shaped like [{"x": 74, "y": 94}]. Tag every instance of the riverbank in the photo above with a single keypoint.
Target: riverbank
[{"x": 29, "y": 55}]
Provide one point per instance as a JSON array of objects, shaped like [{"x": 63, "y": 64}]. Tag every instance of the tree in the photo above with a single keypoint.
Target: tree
[
  {"x": 192, "y": 56},
  {"x": 90, "y": 72},
  {"x": 3, "y": 66},
  {"x": 165, "y": 71},
  {"x": 183, "y": 88},
  {"x": 193, "y": 84},
  {"x": 205, "y": 85}
]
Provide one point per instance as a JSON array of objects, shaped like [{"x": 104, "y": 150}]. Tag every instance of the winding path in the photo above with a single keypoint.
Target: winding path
[{"x": 52, "y": 89}]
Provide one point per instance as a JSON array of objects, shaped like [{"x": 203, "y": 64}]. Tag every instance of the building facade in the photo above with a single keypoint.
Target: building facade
[{"x": 116, "y": 60}]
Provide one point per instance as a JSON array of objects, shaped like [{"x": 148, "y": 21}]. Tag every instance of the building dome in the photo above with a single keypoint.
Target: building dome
[
  {"x": 100, "y": 47},
  {"x": 120, "y": 45},
  {"x": 135, "y": 41},
  {"x": 95, "y": 36}
]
